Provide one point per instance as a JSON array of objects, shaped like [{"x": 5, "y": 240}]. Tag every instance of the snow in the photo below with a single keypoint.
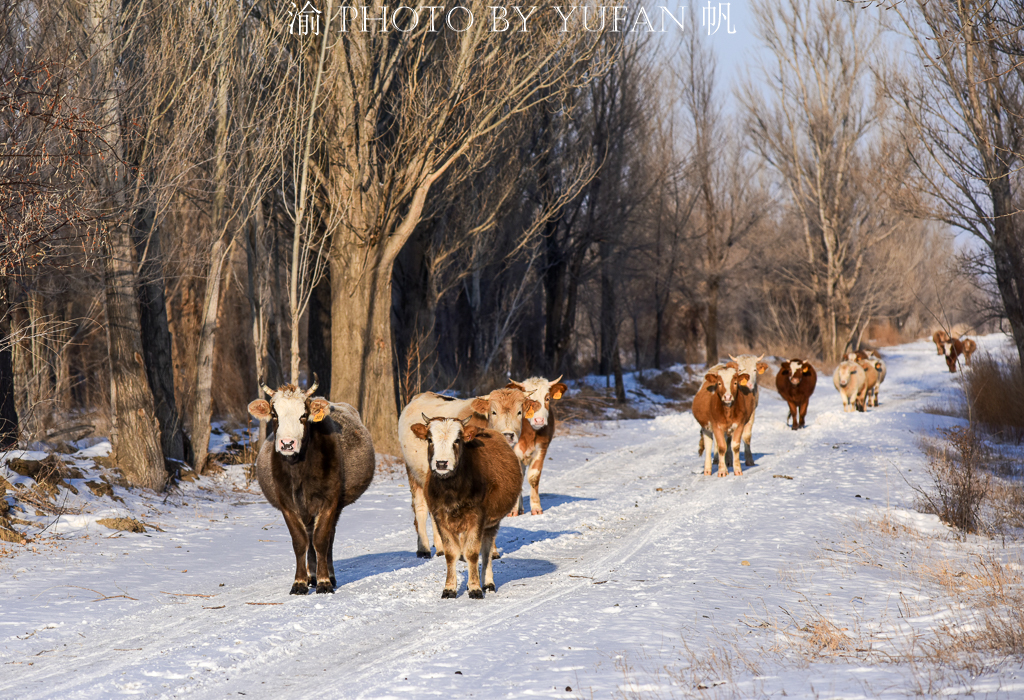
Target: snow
[{"x": 643, "y": 578}]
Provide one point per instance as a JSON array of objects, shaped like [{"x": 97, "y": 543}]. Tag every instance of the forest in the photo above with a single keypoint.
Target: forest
[{"x": 197, "y": 197}]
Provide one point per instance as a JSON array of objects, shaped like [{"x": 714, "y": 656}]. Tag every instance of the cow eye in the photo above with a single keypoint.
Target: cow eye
[
  {"x": 494, "y": 413},
  {"x": 520, "y": 413}
]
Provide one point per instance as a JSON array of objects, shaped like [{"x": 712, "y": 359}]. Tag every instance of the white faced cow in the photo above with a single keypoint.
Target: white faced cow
[{"x": 538, "y": 431}]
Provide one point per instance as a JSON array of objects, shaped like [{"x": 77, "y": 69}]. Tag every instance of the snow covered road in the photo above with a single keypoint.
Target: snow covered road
[{"x": 637, "y": 561}]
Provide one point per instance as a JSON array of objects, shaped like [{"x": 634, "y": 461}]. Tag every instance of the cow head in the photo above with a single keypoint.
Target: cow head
[
  {"x": 542, "y": 391},
  {"x": 795, "y": 370},
  {"x": 951, "y": 352},
  {"x": 289, "y": 411},
  {"x": 727, "y": 382},
  {"x": 446, "y": 438},
  {"x": 847, "y": 369},
  {"x": 751, "y": 366},
  {"x": 504, "y": 409}
]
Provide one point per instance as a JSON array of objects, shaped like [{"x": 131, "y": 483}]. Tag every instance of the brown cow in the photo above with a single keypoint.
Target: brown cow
[
  {"x": 473, "y": 481},
  {"x": 969, "y": 348},
  {"x": 317, "y": 459},
  {"x": 795, "y": 382},
  {"x": 753, "y": 366},
  {"x": 940, "y": 338},
  {"x": 952, "y": 350},
  {"x": 722, "y": 407},
  {"x": 538, "y": 430},
  {"x": 501, "y": 411}
]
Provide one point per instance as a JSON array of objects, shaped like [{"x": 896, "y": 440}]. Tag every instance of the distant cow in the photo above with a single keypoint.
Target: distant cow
[
  {"x": 473, "y": 481},
  {"x": 850, "y": 381},
  {"x": 969, "y": 348},
  {"x": 753, "y": 366},
  {"x": 870, "y": 381},
  {"x": 317, "y": 459},
  {"x": 881, "y": 368},
  {"x": 940, "y": 338},
  {"x": 722, "y": 407},
  {"x": 795, "y": 382},
  {"x": 538, "y": 430},
  {"x": 501, "y": 411},
  {"x": 952, "y": 350}
]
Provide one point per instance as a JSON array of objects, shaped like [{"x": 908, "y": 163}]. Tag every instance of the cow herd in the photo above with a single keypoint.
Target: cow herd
[{"x": 466, "y": 459}]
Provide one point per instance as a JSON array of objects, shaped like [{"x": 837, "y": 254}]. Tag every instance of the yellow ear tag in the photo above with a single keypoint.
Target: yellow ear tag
[
  {"x": 743, "y": 382},
  {"x": 529, "y": 412},
  {"x": 318, "y": 415},
  {"x": 807, "y": 370},
  {"x": 760, "y": 370},
  {"x": 556, "y": 395}
]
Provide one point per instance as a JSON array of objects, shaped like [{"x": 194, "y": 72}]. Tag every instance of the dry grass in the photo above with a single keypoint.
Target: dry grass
[
  {"x": 584, "y": 403},
  {"x": 390, "y": 468},
  {"x": 959, "y": 484},
  {"x": 994, "y": 388}
]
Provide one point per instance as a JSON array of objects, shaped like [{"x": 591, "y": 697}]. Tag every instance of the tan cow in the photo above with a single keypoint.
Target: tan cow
[
  {"x": 850, "y": 381},
  {"x": 472, "y": 482},
  {"x": 501, "y": 411},
  {"x": 969, "y": 349},
  {"x": 538, "y": 430},
  {"x": 940, "y": 338}
]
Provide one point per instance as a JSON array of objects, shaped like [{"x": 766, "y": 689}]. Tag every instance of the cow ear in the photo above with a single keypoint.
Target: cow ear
[
  {"x": 711, "y": 378},
  {"x": 260, "y": 409},
  {"x": 806, "y": 369},
  {"x": 558, "y": 389},
  {"x": 744, "y": 379},
  {"x": 481, "y": 404},
  {"x": 419, "y": 430},
  {"x": 762, "y": 367},
  {"x": 530, "y": 407},
  {"x": 515, "y": 385},
  {"x": 319, "y": 409},
  {"x": 469, "y": 433}
]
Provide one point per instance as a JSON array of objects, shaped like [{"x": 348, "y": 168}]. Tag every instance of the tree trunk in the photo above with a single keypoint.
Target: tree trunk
[
  {"x": 711, "y": 323},
  {"x": 8, "y": 412},
  {"x": 362, "y": 364},
  {"x": 318, "y": 334},
  {"x": 609, "y": 327},
  {"x": 156, "y": 335},
  {"x": 1008, "y": 261}
]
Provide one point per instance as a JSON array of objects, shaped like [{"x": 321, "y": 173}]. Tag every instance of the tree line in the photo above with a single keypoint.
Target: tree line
[{"x": 196, "y": 197}]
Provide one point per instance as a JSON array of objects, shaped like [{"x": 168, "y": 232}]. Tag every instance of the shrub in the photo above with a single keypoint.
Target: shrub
[
  {"x": 960, "y": 484},
  {"x": 995, "y": 396}
]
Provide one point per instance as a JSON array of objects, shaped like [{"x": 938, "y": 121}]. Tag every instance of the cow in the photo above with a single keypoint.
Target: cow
[
  {"x": 473, "y": 481},
  {"x": 870, "y": 380},
  {"x": 723, "y": 406},
  {"x": 538, "y": 430},
  {"x": 867, "y": 354},
  {"x": 952, "y": 349},
  {"x": 940, "y": 338},
  {"x": 850, "y": 381},
  {"x": 795, "y": 382},
  {"x": 752, "y": 366},
  {"x": 318, "y": 458},
  {"x": 501, "y": 411},
  {"x": 881, "y": 368},
  {"x": 969, "y": 348}
]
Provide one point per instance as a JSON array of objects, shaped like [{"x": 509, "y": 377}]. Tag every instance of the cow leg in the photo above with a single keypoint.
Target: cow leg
[
  {"x": 450, "y": 545},
  {"x": 737, "y": 468},
  {"x": 310, "y": 557},
  {"x": 707, "y": 454},
  {"x": 793, "y": 413},
  {"x": 300, "y": 544},
  {"x": 723, "y": 468},
  {"x": 323, "y": 535},
  {"x": 803, "y": 411},
  {"x": 330, "y": 555},
  {"x": 490, "y": 534},
  {"x": 517, "y": 509},
  {"x": 748, "y": 430},
  {"x": 471, "y": 550},
  {"x": 533, "y": 476},
  {"x": 419, "y": 514}
]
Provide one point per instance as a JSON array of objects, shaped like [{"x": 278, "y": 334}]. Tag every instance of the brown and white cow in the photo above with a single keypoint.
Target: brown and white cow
[
  {"x": 538, "y": 431},
  {"x": 969, "y": 349},
  {"x": 318, "y": 458},
  {"x": 850, "y": 381},
  {"x": 940, "y": 337},
  {"x": 952, "y": 349},
  {"x": 753, "y": 366},
  {"x": 501, "y": 411},
  {"x": 722, "y": 407},
  {"x": 472, "y": 482},
  {"x": 795, "y": 382}
]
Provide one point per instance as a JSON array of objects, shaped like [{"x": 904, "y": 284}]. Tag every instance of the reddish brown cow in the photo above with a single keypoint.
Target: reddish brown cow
[
  {"x": 722, "y": 407},
  {"x": 473, "y": 481},
  {"x": 940, "y": 338},
  {"x": 795, "y": 382},
  {"x": 538, "y": 430},
  {"x": 952, "y": 350}
]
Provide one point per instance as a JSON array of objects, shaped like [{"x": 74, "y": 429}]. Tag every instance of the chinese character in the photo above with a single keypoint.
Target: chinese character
[
  {"x": 714, "y": 17},
  {"x": 307, "y": 19}
]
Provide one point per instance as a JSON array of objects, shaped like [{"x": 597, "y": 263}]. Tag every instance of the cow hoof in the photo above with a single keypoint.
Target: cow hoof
[
  {"x": 325, "y": 587},
  {"x": 312, "y": 581},
  {"x": 748, "y": 463},
  {"x": 738, "y": 472},
  {"x": 334, "y": 582},
  {"x": 423, "y": 555},
  {"x": 438, "y": 553},
  {"x": 536, "y": 511},
  {"x": 707, "y": 472},
  {"x": 299, "y": 588},
  {"x": 489, "y": 587},
  {"x": 496, "y": 554},
  {"x": 448, "y": 593},
  {"x": 514, "y": 514},
  {"x": 476, "y": 593},
  {"x": 723, "y": 472}
]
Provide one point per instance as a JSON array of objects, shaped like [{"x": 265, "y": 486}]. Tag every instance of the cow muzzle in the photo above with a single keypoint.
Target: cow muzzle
[
  {"x": 441, "y": 468},
  {"x": 511, "y": 439},
  {"x": 287, "y": 447}
]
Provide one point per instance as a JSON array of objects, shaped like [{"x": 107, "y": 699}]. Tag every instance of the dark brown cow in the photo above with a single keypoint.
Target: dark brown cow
[
  {"x": 473, "y": 482},
  {"x": 952, "y": 350},
  {"x": 795, "y": 382},
  {"x": 317, "y": 459},
  {"x": 722, "y": 407}
]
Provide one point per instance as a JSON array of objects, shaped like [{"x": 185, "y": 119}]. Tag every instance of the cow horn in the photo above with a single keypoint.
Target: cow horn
[
  {"x": 733, "y": 358},
  {"x": 465, "y": 421},
  {"x": 313, "y": 386},
  {"x": 761, "y": 358},
  {"x": 555, "y": 381},
  {"x": 426, "y": 421},
  {"x": 267, "y": 390}
]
